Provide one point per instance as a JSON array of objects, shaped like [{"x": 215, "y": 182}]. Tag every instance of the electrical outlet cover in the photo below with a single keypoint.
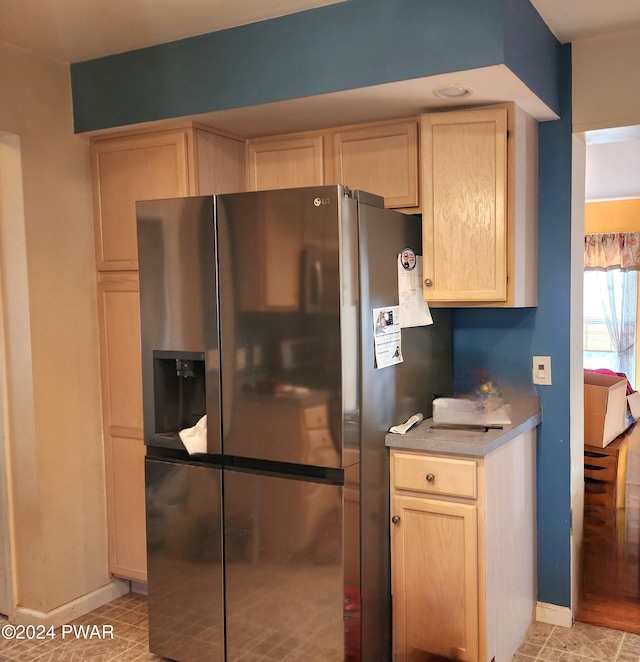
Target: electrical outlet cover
[{"x": 542, "y": 370}]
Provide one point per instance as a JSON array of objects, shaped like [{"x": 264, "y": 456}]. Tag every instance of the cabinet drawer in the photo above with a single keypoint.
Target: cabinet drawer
[
  {"x": 315, "y": 417},
  {"x": 435, "y": 475}
]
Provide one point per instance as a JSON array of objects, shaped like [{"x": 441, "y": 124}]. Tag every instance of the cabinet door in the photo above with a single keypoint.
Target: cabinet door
[
  {"x": 119, "y": 315},
  {"x": 124, "y": 463},
  {"x": 285, "y": 162},
  {"x": 119, "y": 319},
  {"x": 434, "y": 547},
  {"x": 124, "y": 170},
  {"x": 219, "y": 163},
  {"x": 380, "y": 159},
  {"x": 464, "y": 158}
]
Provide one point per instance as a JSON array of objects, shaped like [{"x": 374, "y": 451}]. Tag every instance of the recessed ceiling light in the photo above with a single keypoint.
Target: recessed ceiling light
[{"x": 452, "y": 91}]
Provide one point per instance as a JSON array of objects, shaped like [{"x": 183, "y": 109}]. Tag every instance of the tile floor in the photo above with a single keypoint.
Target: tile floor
[
  {"x": 128, "y": 616},
  {"x": 581, "y": 643}
]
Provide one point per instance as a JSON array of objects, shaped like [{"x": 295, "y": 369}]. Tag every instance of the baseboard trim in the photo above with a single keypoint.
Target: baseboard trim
[
  {"x": 554, "y": 615},
  {"x": 78, "y": 607}
]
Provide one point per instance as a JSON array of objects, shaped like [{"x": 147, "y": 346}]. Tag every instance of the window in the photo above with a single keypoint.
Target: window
[{"x": 610, "y": 300}]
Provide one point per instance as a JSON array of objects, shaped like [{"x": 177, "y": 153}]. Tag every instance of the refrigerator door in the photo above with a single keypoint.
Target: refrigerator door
[
  {"x": 281, "y": 325},
  {"x": 389, "y": 396},
  {"x": 285, "y": 585},
  {"x": 179, "y": 319},
  {"x": 184, "y": 561}
]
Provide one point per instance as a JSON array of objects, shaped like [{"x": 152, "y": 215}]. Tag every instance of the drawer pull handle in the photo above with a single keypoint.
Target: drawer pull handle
[
  {"x": 396, "y": 519},
  {"x": 430, "y": 478},
  {"x": 427, "y": 282}
]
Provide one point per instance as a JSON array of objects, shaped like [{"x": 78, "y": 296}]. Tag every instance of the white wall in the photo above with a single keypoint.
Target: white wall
[
  {"x": 576, "y": 420},
  {"x": 47, "y": 271},
  {"x": 606, "y": 93}
]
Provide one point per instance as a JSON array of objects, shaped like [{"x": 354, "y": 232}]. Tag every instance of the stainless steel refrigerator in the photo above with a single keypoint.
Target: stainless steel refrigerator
[{"x": 257, "y": 311}]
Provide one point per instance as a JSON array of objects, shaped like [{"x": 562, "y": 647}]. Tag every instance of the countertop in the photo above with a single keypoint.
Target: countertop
[{"x": 525, "y": 415}]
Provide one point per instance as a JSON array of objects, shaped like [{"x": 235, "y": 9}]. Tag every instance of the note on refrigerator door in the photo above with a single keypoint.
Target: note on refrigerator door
[
  {"x": 386, "y": 334},
  {"x": 414, "y": 310}
]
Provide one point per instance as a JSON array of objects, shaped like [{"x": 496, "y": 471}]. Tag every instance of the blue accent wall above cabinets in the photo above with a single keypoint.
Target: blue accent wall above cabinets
[
  {"x": 343, "y": 46},
  {"x": 531, "y": 51}
]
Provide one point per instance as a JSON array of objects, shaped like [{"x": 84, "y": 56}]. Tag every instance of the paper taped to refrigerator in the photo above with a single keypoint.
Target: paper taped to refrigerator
[
  {"x": 387, "y": 337},
  {"x": 414, "y": 310}
]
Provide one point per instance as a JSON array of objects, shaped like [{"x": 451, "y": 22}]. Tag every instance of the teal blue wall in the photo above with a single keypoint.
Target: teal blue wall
[
  {"x": 343, "y": 46},
  {"x": 368, "y": 42},
  {"x": 503, "y": 342},
  {"x": 531, "y": 51}
]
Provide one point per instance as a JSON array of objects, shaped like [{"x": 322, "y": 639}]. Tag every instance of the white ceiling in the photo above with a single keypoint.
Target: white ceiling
[
  {"x": 77, "y": 30},
  {"x": 571, "y": 20},
  {"x": 613, "y": 170}
]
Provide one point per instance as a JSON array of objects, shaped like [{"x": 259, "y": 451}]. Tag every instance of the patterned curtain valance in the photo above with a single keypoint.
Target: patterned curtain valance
[{"x": 615, "y": 250}]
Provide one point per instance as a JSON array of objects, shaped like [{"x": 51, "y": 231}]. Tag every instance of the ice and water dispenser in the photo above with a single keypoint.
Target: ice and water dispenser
[{"x": 179, "y": 387}]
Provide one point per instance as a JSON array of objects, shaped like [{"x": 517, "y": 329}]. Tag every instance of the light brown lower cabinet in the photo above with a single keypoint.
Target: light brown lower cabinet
[
  {"x": 447, "y": 533},
  {"x": 119, "y": 315},
  {"x": 463, "y": 553},
  {"x": 124, "y": 460}
]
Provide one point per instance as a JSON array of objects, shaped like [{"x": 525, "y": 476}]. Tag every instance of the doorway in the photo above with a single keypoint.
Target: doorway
[
  {"x": 11, "y": 215},
  {"x": 609, "y": 592}
]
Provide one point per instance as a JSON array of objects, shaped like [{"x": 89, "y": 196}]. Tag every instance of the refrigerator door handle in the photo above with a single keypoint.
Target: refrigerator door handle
[{"x": 317, "y": 266}]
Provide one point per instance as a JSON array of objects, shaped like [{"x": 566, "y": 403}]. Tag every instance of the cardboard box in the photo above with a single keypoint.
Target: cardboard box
[
  {"x": 605, "y": 408},
  {"x": 634, "y": 404}
]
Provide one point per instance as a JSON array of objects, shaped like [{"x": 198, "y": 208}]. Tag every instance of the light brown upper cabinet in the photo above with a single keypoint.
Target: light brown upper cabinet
[
  {"x": 479, "y": 203},
  {"x": 380, "y": 159},
  {"x": 186, "y": 160},
  {"x": 285, "y": 162}
]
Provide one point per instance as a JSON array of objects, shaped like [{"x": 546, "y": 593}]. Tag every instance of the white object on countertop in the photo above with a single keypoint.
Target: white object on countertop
[
  {"x": 401, "y": 429},
  {"x": 195, "y": 438},
  {"x": 452, "y": 411}
]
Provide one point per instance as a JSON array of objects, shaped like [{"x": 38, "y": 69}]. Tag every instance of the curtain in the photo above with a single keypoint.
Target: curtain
[
  {"x": 614, "y": 254},
  {"x": 618, "y": 294},
  {"x": 612, "y": 250}
]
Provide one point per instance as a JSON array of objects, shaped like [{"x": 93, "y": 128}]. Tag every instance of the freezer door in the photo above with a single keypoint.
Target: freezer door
[
  {"x": 285, "y": 580},
  {"x": 389, "y": 396},
  {"x": 179, "y": 319},
  {"x": 184, "y": 561},
  {"x": 281, "y": 295}
]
